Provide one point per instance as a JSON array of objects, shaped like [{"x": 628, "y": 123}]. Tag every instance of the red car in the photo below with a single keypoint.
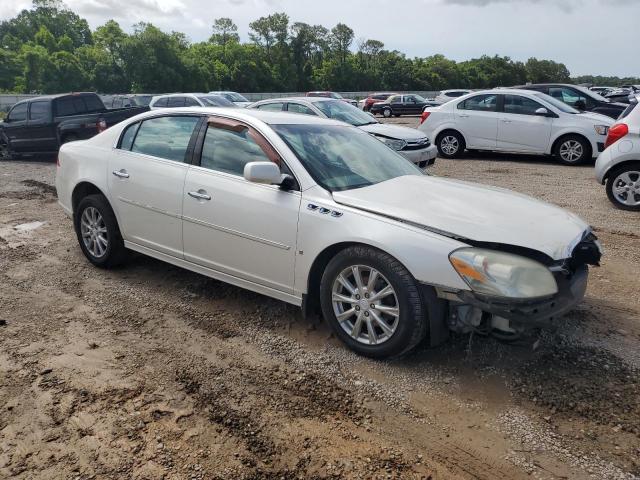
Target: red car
[
  {"x": 375, "y": 98},
  {"x": 332, "y": 95}
]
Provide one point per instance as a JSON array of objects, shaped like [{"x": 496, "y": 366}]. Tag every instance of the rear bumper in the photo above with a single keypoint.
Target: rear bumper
[{"x": 535, "y": 313}]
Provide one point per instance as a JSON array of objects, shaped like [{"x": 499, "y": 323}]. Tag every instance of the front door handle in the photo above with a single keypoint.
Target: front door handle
[
  {"x": 462, "y": 115},
  {"x": 200, "y": 195},
  {"x": 122, "y": 173},
  {"x": 504, "y": 120}
]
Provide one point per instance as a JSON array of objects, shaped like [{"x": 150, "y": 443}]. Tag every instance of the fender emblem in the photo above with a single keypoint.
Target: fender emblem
[{"x": 324, "y": 211}]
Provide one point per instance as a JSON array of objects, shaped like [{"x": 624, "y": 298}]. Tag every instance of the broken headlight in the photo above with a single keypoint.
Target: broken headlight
[{"x": 490, "y": 272}]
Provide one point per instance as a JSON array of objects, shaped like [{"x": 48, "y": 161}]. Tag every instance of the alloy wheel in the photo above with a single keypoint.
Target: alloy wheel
[
  {"x": 571, "y": 151},
  {"x": 365, "y": 304},
  {"x": 449, "y": 145},
  {"x": 626, "y": 188},
  {"x": 94, "y": 232}
]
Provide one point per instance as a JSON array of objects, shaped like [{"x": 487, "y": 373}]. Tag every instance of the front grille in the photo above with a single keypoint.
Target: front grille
[{"x": 417, "y": 144}]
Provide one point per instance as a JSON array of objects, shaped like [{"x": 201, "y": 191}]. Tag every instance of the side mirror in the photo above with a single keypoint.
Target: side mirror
[
  {"x": 542, "y": 112},
  {"x": 580, "y": 105},
  {"x": 263, "y": 172}
]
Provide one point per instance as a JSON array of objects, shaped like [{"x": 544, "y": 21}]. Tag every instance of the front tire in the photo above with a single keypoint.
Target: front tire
[
  {"x": 623, "y": 187},
  {"x": 572, "y": 150},
  {"x": 98, "y": 233},
  {"x": 450, "y": 144},
  {"x": 387, "y": 113},
  {"x": 372, "y": 303}
]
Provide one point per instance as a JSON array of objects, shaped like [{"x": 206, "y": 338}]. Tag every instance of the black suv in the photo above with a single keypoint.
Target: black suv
[{"x": 579, "y": 98}]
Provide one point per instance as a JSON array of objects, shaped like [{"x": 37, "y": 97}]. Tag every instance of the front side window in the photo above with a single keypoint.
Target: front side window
[
  {"x": 343, "y": 157},
  {"x": 229, "y": 150},
  {"x": 165, "y": 137},
  {"x": 68, "y": 106},
  {"x": 339, "y": 110},
  {"x": 18, "y": 113},
  {"x": 39, "y": 110},
  {"x": 299, "y": 108},
  {"x": 161, "y": 102},
  {"x": 520, "y": 105},
  {"x": 482, "y": 103},
  {"x": 191, "y": 102},
  {"x": 569, "y": 96},
  {"x": 271, "y": 107}
]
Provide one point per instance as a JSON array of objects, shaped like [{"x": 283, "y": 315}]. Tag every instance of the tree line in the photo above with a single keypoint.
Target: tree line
[{"x": 49, "y": 48}]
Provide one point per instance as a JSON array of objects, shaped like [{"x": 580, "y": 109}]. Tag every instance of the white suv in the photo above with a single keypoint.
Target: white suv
[
  {"x": 520, "y": 121},
  {"x": 619, "y": 164}
]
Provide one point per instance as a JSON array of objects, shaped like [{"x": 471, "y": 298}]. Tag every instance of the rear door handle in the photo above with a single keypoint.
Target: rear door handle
[
  {"x": 200, "y": 195},
  {"x": 122, "y": 173},
  {"x": 462, "y": 115},
  {"x": 504, "y": 120}
]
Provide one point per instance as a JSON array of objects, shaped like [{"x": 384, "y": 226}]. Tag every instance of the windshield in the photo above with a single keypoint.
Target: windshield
[
  {"x": 563, "y": 107},
  {"x": 215, "y": 101},
  {"x": 591, "y": 93},
  {"x": 339, "y": 110},
  {"x": 142, "y": 100},
  {"x": 342, "y": 158},
  {"x": 233, "y": 96},
  {"x": 335, "y": 95},
  {"x": 419, "y": 99}
]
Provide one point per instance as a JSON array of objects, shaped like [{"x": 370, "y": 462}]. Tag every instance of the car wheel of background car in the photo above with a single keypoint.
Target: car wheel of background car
[
  {"x": 372, "y": 302},
  {"x": 98, "y": 233},
  {"x": 623, "y": 186},
  {"x": 386, "y": 113},
  {"x": 450, "y": 144},
  {"x": 5, "y": 153},
  {"x": 572, "y": 150}
]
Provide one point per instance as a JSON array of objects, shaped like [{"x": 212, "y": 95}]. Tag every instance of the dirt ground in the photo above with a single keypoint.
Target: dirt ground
[{"x": 149, "y": 371}]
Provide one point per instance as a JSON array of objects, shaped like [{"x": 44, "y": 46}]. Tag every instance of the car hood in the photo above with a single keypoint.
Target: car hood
[
  {"x": 471, "y": 211},
  {"x": 392, "y": 131},
  {"x": 596, "y": 118}
]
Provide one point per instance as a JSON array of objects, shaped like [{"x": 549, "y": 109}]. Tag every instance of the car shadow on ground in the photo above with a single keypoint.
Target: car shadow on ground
[{"x": 515, "y": 157}]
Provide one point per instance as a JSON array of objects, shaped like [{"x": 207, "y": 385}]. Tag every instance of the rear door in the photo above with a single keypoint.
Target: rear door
[
  {"x": 477, "y": 119},
  {"x": 146, "y": 178},
  {"x": 243, "y": 229},
  {"x": 15, "y": 128},
  {"x": 520, "y": 129},
  {"x": 41, "y": 128}
]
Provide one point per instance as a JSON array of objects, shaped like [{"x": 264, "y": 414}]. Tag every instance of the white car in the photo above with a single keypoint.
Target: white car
[
  {"x": 619, "y": 164},
  {"x": 234, "y": 97},
  {"x": 408, "y": 142},
  {"x": 320, "y": 214},
  {"x": 176, "y": 100},
  {"x": 447, "y": 95},
  {"x": 519, "y": 121}
]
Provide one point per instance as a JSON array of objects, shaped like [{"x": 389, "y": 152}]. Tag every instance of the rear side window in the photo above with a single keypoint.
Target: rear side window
[
  {"x": 229, "y": 151},
  {"x": 191, "y": 102},
  {"x": 175, "y": 102},
  {"x": 67, "y": 106},
  {"x": 482, "y": 103},
  {"x": 165, "y": 137},
  {"x": 18, "y": 113},
  {"x": 628, "y": 110},
  {"x": 272, "y": 107},
  {"x": 455, "y": 94},
  {"x": 161, "y": 102},
  {"x": 126, "y": 141},
  {"x": 298, "y": 108},
  {"x": 39, "y": 110}
]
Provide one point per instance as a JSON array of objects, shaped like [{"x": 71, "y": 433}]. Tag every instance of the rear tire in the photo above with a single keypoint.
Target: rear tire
[
  {"x": 623, "y": 187},
  {"x": 572, "y": 150},
  {"x": 98, "y": 232},
  {"x": 373, "y": 323},
  {"x": 450, "y": 144},
  {"x": 387, "y": 113}
]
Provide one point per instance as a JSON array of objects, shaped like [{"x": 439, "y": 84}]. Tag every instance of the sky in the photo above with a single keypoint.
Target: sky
[{"x": 600, "y": 37}]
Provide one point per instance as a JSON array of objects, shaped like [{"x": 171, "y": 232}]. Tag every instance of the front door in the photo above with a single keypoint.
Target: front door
[
  {"x": 520, "y": 129},
  {"x": 146, "y": 180},
  {"x": 477, "y": 119},
  {"x": 15, "y": 128},
  {"x": 239, "y": 228}
]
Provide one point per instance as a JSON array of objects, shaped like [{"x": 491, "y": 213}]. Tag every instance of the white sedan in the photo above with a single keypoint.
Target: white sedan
[
  {"x": 412, "y": 144},
  {"x": 320, "y": 214},
  {"x": 519, "y": 121}
]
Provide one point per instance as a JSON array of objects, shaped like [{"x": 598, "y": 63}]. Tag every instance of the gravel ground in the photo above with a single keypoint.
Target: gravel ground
[{"x": 149, "y": 371}]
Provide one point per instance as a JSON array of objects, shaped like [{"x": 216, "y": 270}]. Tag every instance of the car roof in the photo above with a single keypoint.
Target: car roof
[
  {"x": 298, "y": 99},
  {"x": 181, "y": 94},
  {"x": 245, "y": 114}
]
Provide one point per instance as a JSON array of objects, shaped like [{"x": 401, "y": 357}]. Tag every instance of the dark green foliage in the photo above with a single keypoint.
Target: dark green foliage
[{"x": 50, "y": 49}]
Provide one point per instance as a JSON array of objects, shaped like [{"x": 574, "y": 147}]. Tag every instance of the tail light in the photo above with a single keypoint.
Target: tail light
[
  {"x": 616, "y": 132},
  {"x": 424, "y": 117},
  {"x": 102, "y": 125}
]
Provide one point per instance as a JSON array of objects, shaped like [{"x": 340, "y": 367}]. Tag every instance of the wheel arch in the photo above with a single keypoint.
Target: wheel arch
[
  {"x": 617, "y": 166},
  {"x": 81, "y": 190},
  {"x": 446, "y": 129},
  {"x": 556, "y": 141}
]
